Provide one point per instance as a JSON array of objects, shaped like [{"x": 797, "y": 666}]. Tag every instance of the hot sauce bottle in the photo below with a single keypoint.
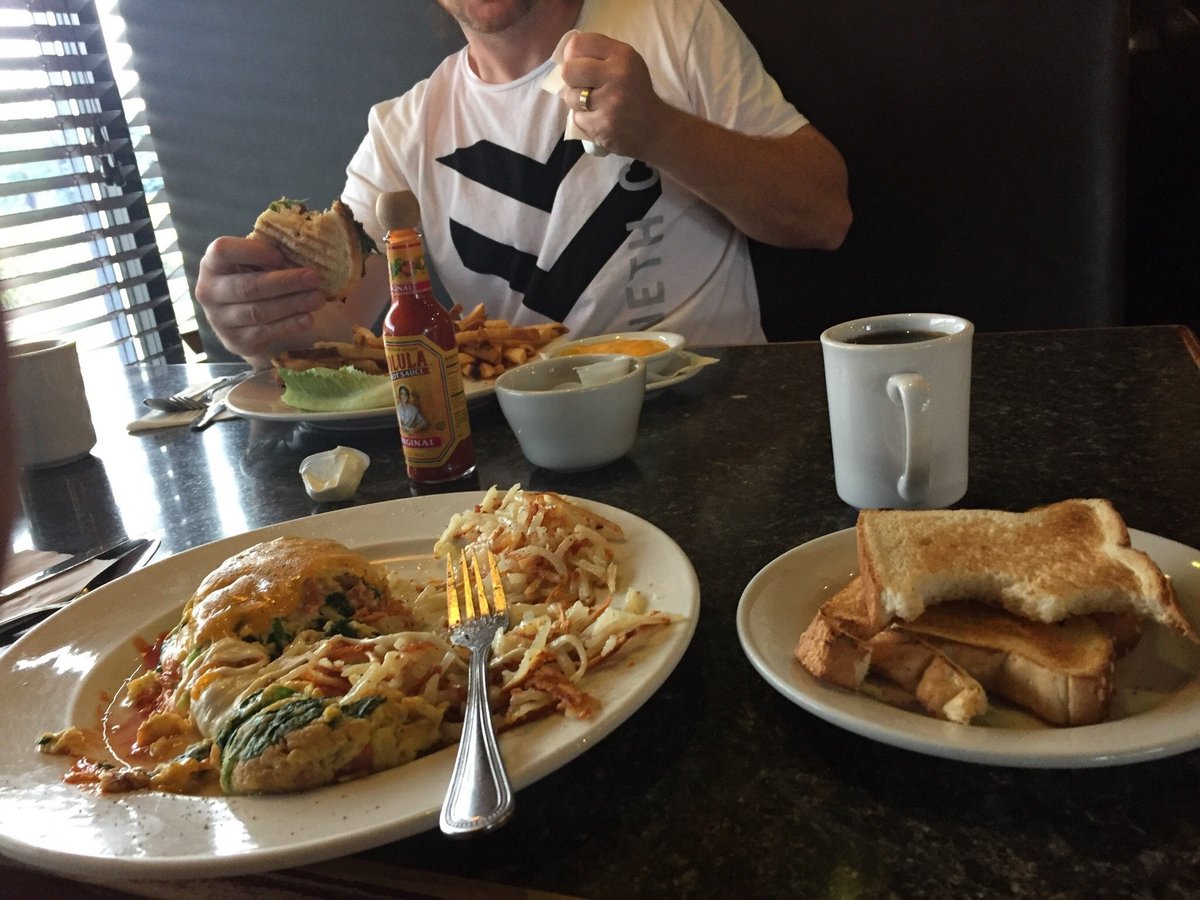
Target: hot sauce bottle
[{"x": 422, "y": 356}]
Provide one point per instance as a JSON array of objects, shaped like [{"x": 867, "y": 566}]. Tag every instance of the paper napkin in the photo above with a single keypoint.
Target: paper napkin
[
  {"x": 27, "y": 562},
  {"x": 553, "y": 84},
  {"x": 692, "y": 362},
  {"x": 156, "y": 419}
]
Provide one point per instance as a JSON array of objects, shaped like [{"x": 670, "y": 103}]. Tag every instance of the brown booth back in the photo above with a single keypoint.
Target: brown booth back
[{"x": 985, "y": 142}]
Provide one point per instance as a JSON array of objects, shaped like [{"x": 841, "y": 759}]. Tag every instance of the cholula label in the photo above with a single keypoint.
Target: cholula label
[{"x": 426, "y": 381}]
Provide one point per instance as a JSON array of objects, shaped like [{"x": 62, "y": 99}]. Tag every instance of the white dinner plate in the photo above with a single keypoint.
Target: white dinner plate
[
  {"x": 261, "y": 397},
  {"x": 1155, "y": 711},
  {"x": 57, "y": 674}
]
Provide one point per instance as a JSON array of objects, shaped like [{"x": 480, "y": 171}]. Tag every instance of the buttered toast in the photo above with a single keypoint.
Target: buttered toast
[
  {"x": 956, "y": 654},
  {"x": 1057, "y": 561}
]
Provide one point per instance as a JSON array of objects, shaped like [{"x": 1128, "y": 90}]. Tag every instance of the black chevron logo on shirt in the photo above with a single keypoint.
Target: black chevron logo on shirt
[
  {"x": 553, "y": 292},
  {"x": 505, "y": 171}
]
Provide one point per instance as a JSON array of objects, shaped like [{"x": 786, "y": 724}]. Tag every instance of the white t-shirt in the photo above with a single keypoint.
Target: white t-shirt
[{"x": 519, "y": 218}]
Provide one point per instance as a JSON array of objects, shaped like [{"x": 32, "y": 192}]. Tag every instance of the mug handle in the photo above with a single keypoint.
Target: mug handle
[{"x": 910, "y": 392}]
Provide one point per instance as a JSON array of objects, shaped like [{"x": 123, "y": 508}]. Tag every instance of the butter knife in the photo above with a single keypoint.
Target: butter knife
[
  {"x": 215, "y": 407},
  {"x": 106, "y": 551},
  {"x": 135, "y": 557}
]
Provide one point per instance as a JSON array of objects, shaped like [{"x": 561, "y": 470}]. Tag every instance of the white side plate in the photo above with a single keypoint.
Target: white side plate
[{"x": 1156, "y": 710}]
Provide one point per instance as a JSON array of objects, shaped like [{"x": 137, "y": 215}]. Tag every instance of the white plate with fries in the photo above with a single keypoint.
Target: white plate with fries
[
  {"x": 1155, "y": 707},
  {"x": 55, "y": 676},
  {"x": 486, "y": 349},
  {"x": 261, "y": 397}
]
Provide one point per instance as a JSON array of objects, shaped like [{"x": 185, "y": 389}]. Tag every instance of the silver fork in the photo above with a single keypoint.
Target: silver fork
[
  {"x": 176, "y": 403},
  {"x": 480, "y": 796},
  {"x": 196, "y": 399}
]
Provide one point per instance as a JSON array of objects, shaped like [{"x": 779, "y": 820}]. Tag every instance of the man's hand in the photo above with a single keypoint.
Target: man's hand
[
  {"x": 624, "y": 109},
  {"x": 255, "y": 300},
  {"x": 788, "y": 191}
]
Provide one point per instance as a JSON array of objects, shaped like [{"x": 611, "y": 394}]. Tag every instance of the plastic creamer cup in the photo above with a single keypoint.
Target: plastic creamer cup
[{"x": 334, "y": 474}]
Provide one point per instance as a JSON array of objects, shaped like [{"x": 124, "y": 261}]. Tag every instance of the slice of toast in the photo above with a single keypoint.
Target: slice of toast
[
  {"x": 1061, "y": 672},
  {"x": 943, "y": 687},
  {"x": 834, "y": 650},
  {"x": 957, "y": 653},
  {"x": 829, "y": 647},
  {"x": 1053, "y": 562}
]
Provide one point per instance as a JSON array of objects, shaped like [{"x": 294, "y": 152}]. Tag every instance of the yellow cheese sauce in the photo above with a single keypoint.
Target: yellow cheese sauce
[{"x": 628, "y": 346}]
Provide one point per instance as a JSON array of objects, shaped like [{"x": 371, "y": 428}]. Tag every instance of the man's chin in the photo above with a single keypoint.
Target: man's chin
[{"x": 488, "y": 16}]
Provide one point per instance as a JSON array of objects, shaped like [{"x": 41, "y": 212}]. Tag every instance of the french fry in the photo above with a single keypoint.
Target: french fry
[
  {"x": 353, "y": 351},
  {"x": 473, "y": 318},
  {"x": 364, "y": 337},
  {"x": 502, "y": 334},
  {"x": 514, "y": 356},
  {"x": 486, "y": 347},
  {"x": 488, "y": 353}
]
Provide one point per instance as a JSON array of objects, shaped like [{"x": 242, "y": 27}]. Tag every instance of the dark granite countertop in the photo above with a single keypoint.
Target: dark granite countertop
[{"x": 718, "y": 785}]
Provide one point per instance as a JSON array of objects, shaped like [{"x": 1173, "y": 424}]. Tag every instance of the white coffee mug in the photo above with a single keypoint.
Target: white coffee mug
[
  {"x": 899, "y": 391},
  {"x": 53, "y": 421}
]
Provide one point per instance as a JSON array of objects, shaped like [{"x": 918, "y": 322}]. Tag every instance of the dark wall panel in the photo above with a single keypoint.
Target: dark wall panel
[
  {"x": 985, "y": 139},
  {"x": 249, "y": 100}
]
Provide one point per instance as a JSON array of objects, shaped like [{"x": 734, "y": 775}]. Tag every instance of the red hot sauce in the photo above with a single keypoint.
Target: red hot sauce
[{"x": 422, "y": 356}]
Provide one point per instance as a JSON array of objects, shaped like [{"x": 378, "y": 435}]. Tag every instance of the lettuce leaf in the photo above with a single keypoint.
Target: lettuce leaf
[{"x": 335, "y": 390}]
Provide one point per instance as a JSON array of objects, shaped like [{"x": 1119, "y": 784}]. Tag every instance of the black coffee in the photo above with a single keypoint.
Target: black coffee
[{"x": 907, "y": 336}]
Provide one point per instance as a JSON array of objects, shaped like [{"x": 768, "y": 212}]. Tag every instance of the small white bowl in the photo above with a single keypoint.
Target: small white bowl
[
  {"x": 658, "y": 362},
  {"x": 572, "y": 413}
]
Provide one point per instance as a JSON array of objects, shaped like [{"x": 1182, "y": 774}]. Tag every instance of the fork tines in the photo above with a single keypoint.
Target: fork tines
[{"x": 475, "y": 601}]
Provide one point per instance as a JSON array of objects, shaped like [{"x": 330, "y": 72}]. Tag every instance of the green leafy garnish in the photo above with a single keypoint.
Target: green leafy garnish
[
  {"x": 286, "y": 203},
  {"x": 335, "y": 390}
]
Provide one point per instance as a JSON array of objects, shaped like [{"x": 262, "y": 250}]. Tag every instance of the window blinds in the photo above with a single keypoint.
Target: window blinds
[{"x": 78, "y": 253}]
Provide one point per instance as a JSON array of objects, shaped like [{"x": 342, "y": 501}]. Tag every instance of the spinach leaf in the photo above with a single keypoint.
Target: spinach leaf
[
  {"x": 360, "y": 709},
  {"x": 268, "y": 727},
  {"x": 340, "y": 604},
  {"x": 344, "y": 627},
  {"x": 278, "y": 637},
  {"x": 250, "y": 705}
]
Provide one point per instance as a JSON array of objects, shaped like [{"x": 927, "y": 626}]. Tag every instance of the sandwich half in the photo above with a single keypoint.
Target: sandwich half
[{"x": 332, "y": 242}]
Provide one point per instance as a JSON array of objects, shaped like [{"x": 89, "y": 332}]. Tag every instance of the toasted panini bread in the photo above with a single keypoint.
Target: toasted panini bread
[
  {"x": 330, "y": 242},
  {"x": 1051, "y": 563}
]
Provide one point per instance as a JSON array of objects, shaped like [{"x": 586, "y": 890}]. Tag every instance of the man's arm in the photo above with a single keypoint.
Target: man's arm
[{"x": 788, "y": 191}]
